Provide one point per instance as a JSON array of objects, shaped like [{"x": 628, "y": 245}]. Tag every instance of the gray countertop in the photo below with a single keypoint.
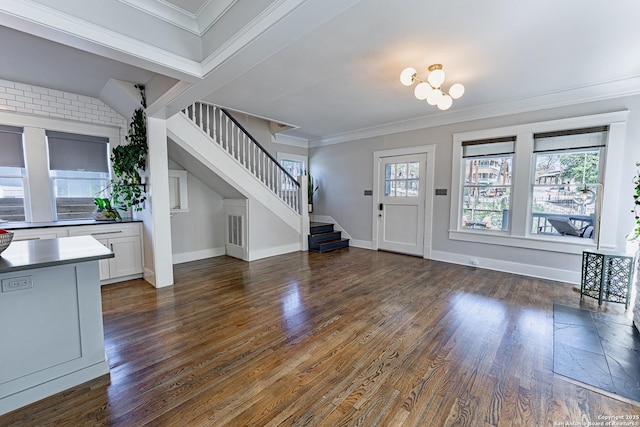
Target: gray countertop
[
  {"x": 70, "y": 223},
  {"x": 31, "y": 254}
]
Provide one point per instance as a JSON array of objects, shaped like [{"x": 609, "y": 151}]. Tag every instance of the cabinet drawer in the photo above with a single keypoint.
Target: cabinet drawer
[
  {"x": 106, "y": 231},
  {"x": 39, "y": 233}
]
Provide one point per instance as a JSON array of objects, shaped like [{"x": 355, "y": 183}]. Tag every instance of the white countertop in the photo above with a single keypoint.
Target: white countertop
[{"x": 26, "y": 255}]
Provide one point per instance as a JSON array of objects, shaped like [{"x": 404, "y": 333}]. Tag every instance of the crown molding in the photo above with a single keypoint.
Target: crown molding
[
  {"x": 166, "y": 12},
  {"x": 579, "y": 95},
  {"x": 261, "y": 23},
  {"x": 196, "y": 23},
  {"x": 290, "y": 140},
  {"x": 42, "y": 21},
  {"x": 211, "y": 12}
]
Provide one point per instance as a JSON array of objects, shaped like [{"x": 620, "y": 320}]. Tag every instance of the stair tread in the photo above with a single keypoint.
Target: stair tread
[
  {"x": 322, "y": 233},
  {"x": 328, "y": 242},
  {"x": 319, "y": 224}
]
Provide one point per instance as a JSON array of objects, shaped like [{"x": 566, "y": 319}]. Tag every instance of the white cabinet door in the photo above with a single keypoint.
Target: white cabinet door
[
  {"x": 128, "y": 256},
  {"x": 104, "y": 263}
]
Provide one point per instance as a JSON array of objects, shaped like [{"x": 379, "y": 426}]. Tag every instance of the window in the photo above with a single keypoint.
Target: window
[
  {"x": 566, "y": 181},
  {"x": 486, "y": 190},
  {"x": 178, "y": 195},
  {"x": 12, "y": 172},
  {"x": 402, "y": 179},
  {"x": 295, "y": 165},
  {"x": 553, "y": 189},
  {"x": 79, "y": 171}
]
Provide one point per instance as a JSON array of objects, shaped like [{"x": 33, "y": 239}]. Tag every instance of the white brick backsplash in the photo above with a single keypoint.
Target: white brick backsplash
[
  {"x": 36, "y": 100},
  {"x": 40, "y": 90},
  {"x": 13, "y": 91},
  {"x": 23, "y": 86}
]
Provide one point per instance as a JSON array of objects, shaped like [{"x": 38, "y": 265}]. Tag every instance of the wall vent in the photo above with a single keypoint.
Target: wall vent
[{"x": 235, "y": 230}]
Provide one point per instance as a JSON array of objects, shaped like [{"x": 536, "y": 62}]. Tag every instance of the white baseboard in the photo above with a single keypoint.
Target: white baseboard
[
  {"x": 538, "y": 271},
  {"x": 196, "y": 255},
  {"x": 363, "y": 244},
  {"x": 150, "y": 276},
  {"x": 268, "y": 252},
  {"x": 121, "y": 279}
]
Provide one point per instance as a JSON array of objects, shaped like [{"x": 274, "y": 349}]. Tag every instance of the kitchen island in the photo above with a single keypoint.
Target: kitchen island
[{"x": 52, "y": 335}]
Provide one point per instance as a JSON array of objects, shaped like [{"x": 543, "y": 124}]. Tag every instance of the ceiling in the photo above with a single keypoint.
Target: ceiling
[{"x": 329, "y": 68}]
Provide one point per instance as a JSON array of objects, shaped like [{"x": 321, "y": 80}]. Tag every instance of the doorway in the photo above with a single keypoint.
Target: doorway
[{"x": 403, "y": 188}]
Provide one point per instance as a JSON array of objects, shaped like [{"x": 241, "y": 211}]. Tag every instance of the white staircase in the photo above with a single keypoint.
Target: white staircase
[{"x": 213, "y": 137}]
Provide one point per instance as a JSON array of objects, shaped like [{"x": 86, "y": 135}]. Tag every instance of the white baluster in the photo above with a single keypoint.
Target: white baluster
[
  {"x": 213, "y": 132},
  {"x": 208, "y": 118},
  {"x": 228, "y": 138}
]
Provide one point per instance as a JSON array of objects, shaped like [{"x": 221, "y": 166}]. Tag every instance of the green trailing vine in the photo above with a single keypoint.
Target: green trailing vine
[{"x": 129, "y": 159}]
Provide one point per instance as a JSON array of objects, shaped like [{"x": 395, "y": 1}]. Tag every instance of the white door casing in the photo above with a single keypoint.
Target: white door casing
[{"x": 406, "y": 197}]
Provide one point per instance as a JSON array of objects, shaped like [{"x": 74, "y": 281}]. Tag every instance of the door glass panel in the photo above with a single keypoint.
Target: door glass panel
[
  {"x": 413, "y": 188},
  {"x": 402, "y": 179},
  {"x": 390, "y": 171},
  {"x": 401, "y": 188},
  {"x": 401, "y": 170},
  {"x": 414, "y": 170}
]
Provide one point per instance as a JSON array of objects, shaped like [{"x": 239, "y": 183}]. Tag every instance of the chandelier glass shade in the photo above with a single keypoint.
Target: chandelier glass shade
[{"x": 431, "y": 89}]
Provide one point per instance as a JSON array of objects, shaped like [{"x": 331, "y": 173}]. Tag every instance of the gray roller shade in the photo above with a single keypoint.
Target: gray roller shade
[
  {"x": 73, "y": 152},
  {"x": 574, "y": 139},
  {"x": 11, "y": 153},
  {"x": 489, "y": 147}
]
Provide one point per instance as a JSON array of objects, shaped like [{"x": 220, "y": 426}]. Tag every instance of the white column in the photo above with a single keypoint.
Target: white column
[
  {"x": 37, "y": 163},
  {"x": 156, "y": 215},
  {"x": 304, "y": 213}
]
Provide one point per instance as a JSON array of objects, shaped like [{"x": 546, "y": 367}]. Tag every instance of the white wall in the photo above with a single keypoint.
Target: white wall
[
  {"x": 268, "y": 234},
  {"x": 344, "y": 171},
  {"x": 200, "y": 232}
]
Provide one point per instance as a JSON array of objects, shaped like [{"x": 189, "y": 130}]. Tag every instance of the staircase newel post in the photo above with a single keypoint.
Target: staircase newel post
[{"x": 304, "y": 213}]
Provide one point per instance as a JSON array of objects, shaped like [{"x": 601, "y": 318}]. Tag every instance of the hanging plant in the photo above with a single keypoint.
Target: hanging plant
[{"x": 129, "y": 159}]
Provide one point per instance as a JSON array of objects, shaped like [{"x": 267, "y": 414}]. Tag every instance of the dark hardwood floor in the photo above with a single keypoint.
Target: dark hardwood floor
[{"x": 352, "y": 337}]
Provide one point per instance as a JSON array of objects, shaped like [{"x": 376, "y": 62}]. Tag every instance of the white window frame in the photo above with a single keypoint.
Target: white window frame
[
  {"x": 37, "y": 185},
  {"x": 523, "y": 167},
  {"x": 294, "y": 157}
]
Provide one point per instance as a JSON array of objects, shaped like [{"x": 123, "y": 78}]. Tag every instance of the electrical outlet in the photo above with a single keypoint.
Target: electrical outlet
[{"x": 17, "y": 283}]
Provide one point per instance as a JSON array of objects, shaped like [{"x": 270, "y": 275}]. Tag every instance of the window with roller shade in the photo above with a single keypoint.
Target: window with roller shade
[
  {"x": 486, "y": 190},
  {"x": 567, "y": 181},
  {"x": 12, "y": 173},
  {"x": 562, "y": 183},
  {"x": 79, "y": 171}
]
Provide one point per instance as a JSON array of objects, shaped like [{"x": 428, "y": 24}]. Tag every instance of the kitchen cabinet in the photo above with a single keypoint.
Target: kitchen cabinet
[{"x": 125, "y": 241}]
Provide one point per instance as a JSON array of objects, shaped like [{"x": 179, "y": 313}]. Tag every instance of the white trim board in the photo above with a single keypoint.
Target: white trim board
[
  {"x": 616, "y": 89},
  {"x": 198, "y": 255},
  {"x": 529, "y": 270},
  {"x": 269, "y": 252}
]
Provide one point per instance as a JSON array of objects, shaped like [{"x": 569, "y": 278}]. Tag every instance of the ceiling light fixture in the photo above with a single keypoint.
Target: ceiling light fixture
[{"x": 430, "y": 90}]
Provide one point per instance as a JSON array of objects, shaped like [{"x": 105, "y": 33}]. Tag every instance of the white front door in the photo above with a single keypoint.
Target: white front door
[{"x": 401, "y": 205}]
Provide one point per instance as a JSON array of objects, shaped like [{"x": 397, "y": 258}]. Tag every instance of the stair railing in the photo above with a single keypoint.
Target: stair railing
[{"x": 231, "y": 136}]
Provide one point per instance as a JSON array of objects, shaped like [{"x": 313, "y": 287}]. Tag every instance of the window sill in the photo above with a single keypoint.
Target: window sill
[{"x": 561, "y": 244}]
